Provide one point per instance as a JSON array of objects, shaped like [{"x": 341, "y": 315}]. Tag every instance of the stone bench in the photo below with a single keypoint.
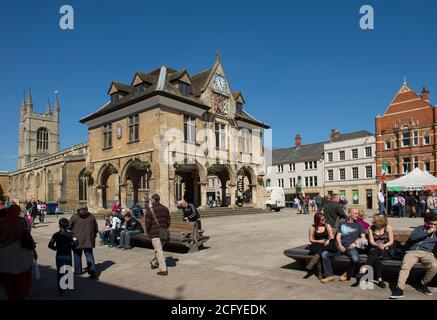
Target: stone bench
[
  {"x": 182, "y": 233},
  {"x": 302, "y": 255}
]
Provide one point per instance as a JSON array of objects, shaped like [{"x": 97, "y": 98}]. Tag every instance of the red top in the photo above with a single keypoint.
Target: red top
[{"x": 364, "y": 223}]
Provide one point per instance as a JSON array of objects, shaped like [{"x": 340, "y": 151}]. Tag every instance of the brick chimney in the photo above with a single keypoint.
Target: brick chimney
[
  {"x": 425, "y": 94},
  {"x": 298, "y": 141},
  {"x": 334, "y": 134}
]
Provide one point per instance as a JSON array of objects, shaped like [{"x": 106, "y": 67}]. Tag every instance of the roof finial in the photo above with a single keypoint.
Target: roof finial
[
  {"x": 56, "y": 100},
  {"x": 405, "y": 80},
  {"x": 49, "y": 109},
  {"x": 217, "y": 55},
  {"x": 29, "y": 97}
]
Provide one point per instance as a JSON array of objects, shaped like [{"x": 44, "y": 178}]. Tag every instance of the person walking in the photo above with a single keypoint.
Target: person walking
[
  {"x": 157, "y": 221},
  {"x": 43, "y": 211},
  {"x": 16, "y": 256},
  {"x": 84, "y": 227},
  {"x": 57, "y": 211},
  {"x": 63, "y": 243},
  {"x": 333, "y": 210},
  {"x": 33, "y": 211}
]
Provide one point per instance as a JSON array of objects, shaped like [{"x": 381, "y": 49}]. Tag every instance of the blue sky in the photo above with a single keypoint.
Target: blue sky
[{"x": 303, "y": 66}]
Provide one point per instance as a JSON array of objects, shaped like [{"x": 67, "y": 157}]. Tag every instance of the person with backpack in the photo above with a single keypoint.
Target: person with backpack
[{"x": 63, "y": 242}]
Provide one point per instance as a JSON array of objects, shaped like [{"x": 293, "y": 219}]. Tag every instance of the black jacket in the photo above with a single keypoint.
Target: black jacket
[
  {"x": 191, "y": 213},
  {"x": 63, "y": 242},
  {"x": 133, "y": 224}
]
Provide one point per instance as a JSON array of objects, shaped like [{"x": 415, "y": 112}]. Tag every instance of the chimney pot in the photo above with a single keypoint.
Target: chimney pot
[
  {"x": 425, "y": 94},
  {"x": 298, "y": 141}
]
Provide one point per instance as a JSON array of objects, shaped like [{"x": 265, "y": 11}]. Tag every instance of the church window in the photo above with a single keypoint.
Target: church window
[{"x": 42, "y": 140}]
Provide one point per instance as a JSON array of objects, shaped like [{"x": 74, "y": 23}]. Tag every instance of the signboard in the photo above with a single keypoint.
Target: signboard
[{"x": 355, "y": 197}]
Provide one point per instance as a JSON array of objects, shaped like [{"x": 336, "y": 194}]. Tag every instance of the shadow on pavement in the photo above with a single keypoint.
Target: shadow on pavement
[{"x": 84, "y": 288}]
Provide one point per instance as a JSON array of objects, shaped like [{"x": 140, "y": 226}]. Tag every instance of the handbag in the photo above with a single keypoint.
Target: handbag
[
  {"x": 27, "y": 241},
  {"x": 164, "y": 234}
]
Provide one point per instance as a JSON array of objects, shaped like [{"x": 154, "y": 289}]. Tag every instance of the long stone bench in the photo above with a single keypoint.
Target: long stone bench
[
  {"x": 182, "y": 233},
  {"x": 302, "y": 255}
]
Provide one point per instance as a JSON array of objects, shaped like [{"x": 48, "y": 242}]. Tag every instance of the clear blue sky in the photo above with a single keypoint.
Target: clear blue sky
[{"x": 303, "y": 66}]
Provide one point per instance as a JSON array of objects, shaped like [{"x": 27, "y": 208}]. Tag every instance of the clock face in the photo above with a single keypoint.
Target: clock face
[{"x": 220, "y": 83}]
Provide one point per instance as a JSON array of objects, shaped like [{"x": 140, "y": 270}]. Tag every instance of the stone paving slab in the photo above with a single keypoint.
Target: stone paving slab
[{"x": 243, "y": 260}]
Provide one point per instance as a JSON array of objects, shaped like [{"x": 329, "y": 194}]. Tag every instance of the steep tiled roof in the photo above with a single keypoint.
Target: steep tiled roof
[
  {"x": 353, "y": 135},
  {"x": 159, "y": 83},
  {"x": 303, "y": 153}
]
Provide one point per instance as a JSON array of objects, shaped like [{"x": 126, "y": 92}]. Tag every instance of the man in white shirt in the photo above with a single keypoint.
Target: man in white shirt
[{"x": 381, "y": 202}]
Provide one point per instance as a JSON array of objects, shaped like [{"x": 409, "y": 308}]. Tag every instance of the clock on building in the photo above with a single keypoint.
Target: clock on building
[{"x": 220, "y": 83}]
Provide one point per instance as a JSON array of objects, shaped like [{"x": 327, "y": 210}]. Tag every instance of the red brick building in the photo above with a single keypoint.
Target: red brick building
[{"x": 406, "y": 134}]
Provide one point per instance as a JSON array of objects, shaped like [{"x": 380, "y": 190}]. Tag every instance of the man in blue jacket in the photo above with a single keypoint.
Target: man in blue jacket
[{"x": 424, "y": 240}]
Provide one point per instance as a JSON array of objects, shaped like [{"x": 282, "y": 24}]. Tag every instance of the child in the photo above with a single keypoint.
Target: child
[{"x": 63, "y": 243}]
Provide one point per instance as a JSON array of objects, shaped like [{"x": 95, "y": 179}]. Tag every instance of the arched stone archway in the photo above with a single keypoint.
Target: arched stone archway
[
  {"x": 222, "y": 192},
  {"x": 189, "y": 182},
  {"x": 136, "y": 177},
  {"x": 109, "y": 185},
  {"x": 245, "y": 186}
]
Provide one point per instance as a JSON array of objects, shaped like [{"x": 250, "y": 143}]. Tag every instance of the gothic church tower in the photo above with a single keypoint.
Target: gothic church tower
[{"x": 38, "y": 133}]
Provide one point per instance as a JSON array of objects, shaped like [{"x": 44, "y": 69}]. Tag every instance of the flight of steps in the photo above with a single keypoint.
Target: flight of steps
[{"x": 221, "y": 212}]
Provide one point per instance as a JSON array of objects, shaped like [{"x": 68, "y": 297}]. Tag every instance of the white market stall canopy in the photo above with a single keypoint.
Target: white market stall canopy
[{"x": 416, "y": 180}]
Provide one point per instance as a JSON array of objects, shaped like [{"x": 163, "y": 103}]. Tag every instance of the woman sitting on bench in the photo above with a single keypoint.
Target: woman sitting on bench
[
  {"x": 380, "y": 238},
  {"x": 320, "y": 235}
]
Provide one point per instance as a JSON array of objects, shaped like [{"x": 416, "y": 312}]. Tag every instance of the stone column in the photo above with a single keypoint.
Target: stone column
[
  {"x": 203, "y": 196},
  {"x": 123, "y": 196},
  {"x": 232, "y": 190}
]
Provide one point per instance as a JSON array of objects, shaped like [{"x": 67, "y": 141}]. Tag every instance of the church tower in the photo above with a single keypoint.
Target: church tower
[{"x": 38, "y": 133}]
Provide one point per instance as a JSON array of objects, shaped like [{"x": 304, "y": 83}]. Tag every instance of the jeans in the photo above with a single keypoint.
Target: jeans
[
  {"x": 125, "y": 237},
  {"x": 327, "y": 261},
  {"x": 381, "y": 206},
  {"x": 104, "y": 236},
  {"x": 113, "y": 235},
  {"x": 41, "y": 217},
  {"x": 61, "y": 261},
  {"x": 401, "y": 211},
  {"x": 89, "y": 260}
]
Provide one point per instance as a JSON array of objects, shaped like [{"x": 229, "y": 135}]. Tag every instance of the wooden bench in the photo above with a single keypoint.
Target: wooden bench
[
  {"x": 302, "y": 255},
  {"x": 182, "y": 233}
]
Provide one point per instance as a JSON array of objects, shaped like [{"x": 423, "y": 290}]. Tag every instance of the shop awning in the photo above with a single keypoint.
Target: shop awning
[{"x": 416, "y": 180}]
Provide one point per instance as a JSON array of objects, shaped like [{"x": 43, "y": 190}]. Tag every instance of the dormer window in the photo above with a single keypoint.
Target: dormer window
[
  {"x": 139, "y": 89},
  {"x": 239, "y": 106},
  {"x": 184, "y": 88},
  {"x": 114, "y": 98}
]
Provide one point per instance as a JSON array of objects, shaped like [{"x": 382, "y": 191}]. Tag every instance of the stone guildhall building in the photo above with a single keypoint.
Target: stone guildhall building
[{"x": 166, "y": 132}]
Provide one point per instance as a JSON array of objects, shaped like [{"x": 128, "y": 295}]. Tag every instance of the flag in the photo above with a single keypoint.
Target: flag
[{"x": 383, "y": 172}]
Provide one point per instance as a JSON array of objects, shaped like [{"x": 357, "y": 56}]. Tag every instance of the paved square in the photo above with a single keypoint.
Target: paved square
[{"x": 243, "y": 260}]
